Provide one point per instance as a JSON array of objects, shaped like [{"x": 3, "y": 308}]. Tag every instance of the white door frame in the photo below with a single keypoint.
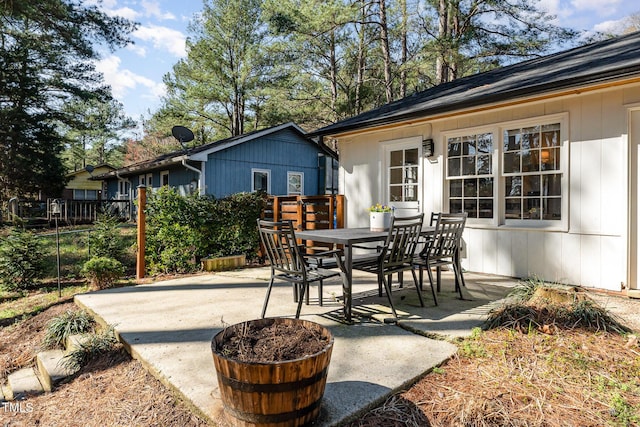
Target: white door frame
[{"x": 402, "y": 208}]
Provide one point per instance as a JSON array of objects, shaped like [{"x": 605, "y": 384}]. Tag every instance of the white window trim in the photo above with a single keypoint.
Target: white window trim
[
  {"x": 498, "y": 189},
  {"x": 162, "y": 175},
  {"x": 289, "y": 175},
  {"x": 265, "y": 171}
]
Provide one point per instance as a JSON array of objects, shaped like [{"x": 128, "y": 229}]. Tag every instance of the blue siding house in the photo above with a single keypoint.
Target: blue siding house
[{"x": 280, "y": 160}]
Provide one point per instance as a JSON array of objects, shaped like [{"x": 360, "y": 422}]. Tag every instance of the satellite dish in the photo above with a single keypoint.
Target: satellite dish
[
  {"x": 89, "y": 168},
  {"x": 182, "y": 134}
]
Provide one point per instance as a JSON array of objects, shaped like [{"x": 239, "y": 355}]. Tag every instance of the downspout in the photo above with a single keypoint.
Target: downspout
[{"x": 198, "y": 171}]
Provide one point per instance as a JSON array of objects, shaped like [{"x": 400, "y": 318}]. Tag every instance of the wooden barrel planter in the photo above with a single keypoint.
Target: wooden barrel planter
[{"x": 284, "y": 393}]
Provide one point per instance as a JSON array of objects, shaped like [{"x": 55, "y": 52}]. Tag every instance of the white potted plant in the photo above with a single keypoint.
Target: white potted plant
[{"x": 380, "y": 217}]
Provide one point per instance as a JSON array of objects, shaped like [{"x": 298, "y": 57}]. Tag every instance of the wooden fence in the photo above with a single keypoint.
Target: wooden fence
[{"x": 308, "y": 213}]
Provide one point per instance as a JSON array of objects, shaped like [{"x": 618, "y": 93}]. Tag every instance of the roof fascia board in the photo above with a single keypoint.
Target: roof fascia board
[{"x": 417, "y": 118}]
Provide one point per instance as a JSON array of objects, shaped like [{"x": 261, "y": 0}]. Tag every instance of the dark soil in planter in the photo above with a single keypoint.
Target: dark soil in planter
[{"x": 272, "y": 343}]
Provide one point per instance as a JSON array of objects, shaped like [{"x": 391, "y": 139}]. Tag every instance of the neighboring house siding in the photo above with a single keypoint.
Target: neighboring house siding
[
  {"x": 589, "y": 248},
  {"x": 229, "y": 171}
]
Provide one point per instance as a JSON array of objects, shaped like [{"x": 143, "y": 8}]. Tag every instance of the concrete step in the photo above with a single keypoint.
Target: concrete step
[
  {"x": 74, "y": 341},
  {"x": 51, "y": 368},
  {"x": 22, "y": 382}
]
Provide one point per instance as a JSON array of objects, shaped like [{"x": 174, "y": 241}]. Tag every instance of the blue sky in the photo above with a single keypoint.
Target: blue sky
[{"x": 135, "y": 72}]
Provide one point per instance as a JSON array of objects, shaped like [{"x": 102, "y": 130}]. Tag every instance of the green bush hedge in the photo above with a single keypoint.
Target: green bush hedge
[
  {"x": 181, "y": 230},
  {"x": 102, "y": 272}
]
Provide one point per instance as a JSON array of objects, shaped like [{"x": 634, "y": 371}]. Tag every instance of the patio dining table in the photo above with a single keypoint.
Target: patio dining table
[{"x": 348, "y": 237}]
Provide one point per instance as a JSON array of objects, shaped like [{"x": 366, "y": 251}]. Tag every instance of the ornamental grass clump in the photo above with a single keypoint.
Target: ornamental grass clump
[
  {"x": 90, "y": 348},
  {"x": 67, "y": 324}
]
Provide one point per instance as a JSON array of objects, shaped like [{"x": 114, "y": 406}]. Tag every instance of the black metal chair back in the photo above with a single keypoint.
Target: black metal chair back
[{"x": 401, "y": 243}]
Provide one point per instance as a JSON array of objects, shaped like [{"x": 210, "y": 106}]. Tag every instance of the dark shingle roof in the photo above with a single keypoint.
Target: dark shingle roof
[{"x": 609, "y": 60}]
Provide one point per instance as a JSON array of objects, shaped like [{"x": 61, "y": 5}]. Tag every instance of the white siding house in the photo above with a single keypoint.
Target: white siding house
[{"x": 543, "y": 155}]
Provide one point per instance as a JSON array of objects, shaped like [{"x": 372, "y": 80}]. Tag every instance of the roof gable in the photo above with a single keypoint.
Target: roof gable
[{"x": 609, "y": 60}]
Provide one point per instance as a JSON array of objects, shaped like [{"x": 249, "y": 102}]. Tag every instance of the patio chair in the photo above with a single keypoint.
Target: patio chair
[
  {"x": 442, "y": 249},
  {"x": 289, "y": 263},
  {"x": 396, "y": 256}
]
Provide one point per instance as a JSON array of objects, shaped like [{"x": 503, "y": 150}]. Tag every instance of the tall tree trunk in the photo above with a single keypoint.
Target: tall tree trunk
[
  {"x": 441, "y": 63},
  {"x": 361, "y": 58},
  {"x": 386, "y": 54},
  {"x": 403, "y": 54},
  {"x": 333, "y": 74}
]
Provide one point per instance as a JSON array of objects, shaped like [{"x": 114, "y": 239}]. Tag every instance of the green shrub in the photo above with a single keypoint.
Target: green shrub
[
  {"x": 21, "y": 261},
  {"x": 105, "y": 240},
  {"x": 102, "y": 272},
  {"x": 67, "y": 324},
  {"x": 89, "y": 348},
  {"x": 183, "y": 229}
]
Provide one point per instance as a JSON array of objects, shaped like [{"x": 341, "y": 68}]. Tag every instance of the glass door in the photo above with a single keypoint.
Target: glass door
[{"x": 404, "y": 177}]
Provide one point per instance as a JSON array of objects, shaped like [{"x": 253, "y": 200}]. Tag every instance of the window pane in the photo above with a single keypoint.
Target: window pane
[
  {"x": 531, "y": 185},
  {"x": 531, "y": 208},
  {"x": 395, "y": 176},
  {"x": 453, "y": 147},
  {"x": 552, "y": 208},
  {"x": 551, "y": 185},
  {"x": 411, "y": 193},
  {"x": 453, "y": 166},
  {"x": 469, "y": 145},
  {"x": 396, "y": 193},
  {"x": 485, "y": 187},
  {"x": 551, "y": 135},
  {"x": 455, "y": 205},
  {"x": 260, "y": 181},
  {"x": 485, "y": 143},
  {"x": 455, "y": 188},
  {"x": 485, "y": 208},
  {"x": 513, "y": 186},
  {"x": 295, "y": 184},
  {"x": 468, "y": 166},
  {"x": 531, "y": 137},
  {"x": 470, "y": 188},
  {"x": 550, "y": 158},
  {"x": 512, "y": 140},
  {"x": 411, "y": 175},
  {"x": 470, "y": 207},
  {"x": 484, "y": 165},
  {"x": 513, "y": 209},
  {"x": 530, "y": 162},
  {"x": 411, "y": 157},
  {"x": 92, "y": 194},
  {"x": 511, "y": 162},
  {"x": 396, "y": 158}
]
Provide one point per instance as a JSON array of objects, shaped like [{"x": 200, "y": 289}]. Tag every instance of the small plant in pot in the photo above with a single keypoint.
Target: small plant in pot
[{"x": 273, "y": 371}]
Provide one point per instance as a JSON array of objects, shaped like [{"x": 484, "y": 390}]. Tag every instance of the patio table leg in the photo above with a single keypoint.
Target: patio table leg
[{"x": 346, "y": 291}]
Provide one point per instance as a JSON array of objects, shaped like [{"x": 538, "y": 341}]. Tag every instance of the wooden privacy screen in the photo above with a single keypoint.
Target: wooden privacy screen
[{"x": 307, "y": 213}]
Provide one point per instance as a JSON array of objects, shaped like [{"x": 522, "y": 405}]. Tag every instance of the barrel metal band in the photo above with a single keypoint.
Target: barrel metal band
[
  {"x": 273, "y": 388},
  {"x": 273, "y": 418}
]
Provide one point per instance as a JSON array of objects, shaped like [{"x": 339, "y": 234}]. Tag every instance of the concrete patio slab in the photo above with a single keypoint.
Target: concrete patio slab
[{"x": 169, "y": 325}]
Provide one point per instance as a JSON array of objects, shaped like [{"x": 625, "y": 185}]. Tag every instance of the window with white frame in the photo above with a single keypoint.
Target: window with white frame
[
  {"x": 403, "y": 175},
  {"x": 261, "y": 180},
  {"x": 532, "y": 171},
  {"x": 470, "y": 175},
  {"x": 295, "y": 183},
  {"x": 85, "y": 194},
  {"x": 513, "y": 173}
]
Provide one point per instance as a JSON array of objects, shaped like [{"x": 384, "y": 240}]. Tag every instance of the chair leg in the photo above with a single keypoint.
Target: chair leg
[
  {"x": 400, "y": 279},
  {"x": 415, "y": 282},
  {"x": 433, "y": 290},
  {"x": 439, "y": 276},
  {"x": 387, "y": 287},
  {"x": 459, "y": 280},
  {"x": 266, "y": 299},
  {"x": 379, "y": 285},
  {"x": 320, "y": 292},
  {"x": 301, "y": 291}
]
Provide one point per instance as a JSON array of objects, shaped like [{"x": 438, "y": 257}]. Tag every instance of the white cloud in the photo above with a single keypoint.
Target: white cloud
[
  {"x": 163, "y": 38},
  {"x": 152, "y": 8},
  {"x": 125, "y": 12},
  {"x": 612, "y": 27},
  {"x": 122, "y": 80},
  {"x": 602, "y": 8},
  {"x": 138, "y": 50}
]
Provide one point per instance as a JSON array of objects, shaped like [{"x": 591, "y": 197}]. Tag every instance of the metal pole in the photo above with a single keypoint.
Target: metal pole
[
  {"x": 142, "y": 202},
  {"x": 58, "y": 256}
]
